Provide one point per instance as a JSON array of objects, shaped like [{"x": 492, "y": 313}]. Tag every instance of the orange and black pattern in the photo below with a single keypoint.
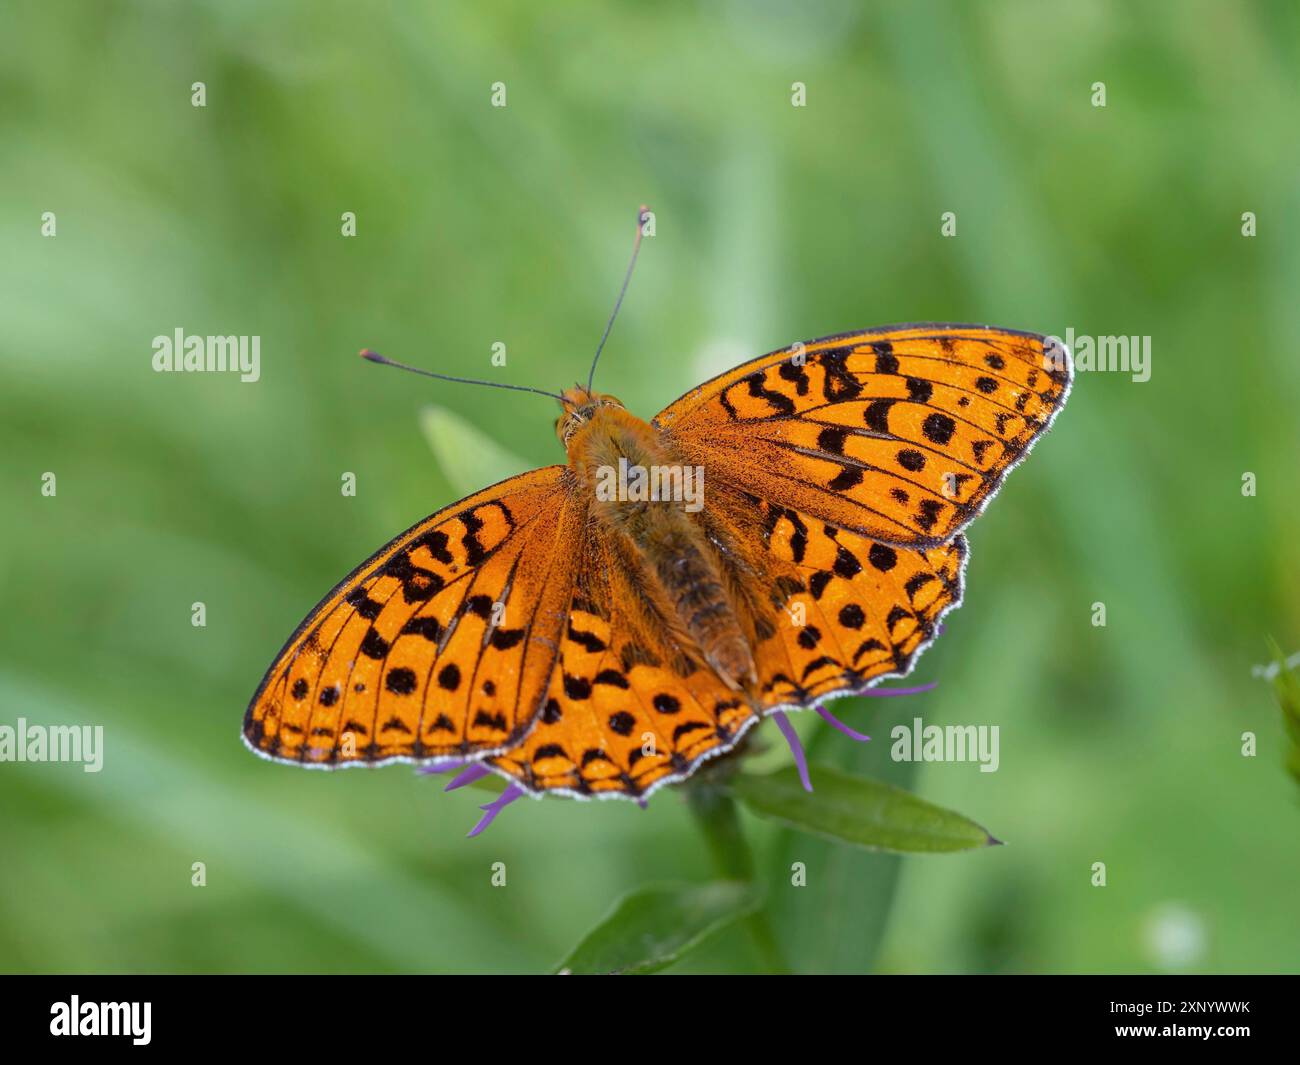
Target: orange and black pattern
[
  {"x": 852, "y": 609},
  {"x": 517, "y": 628},
  {"x": 628, "y": 707},
  {"x": 902, "y": 435},
  {"x": 437, "y": 646},
  {"x": 625, "y": 712}
]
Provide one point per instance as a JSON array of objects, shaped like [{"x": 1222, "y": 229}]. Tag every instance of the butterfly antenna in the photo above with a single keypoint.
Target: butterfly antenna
[
  {"x": 641, "y": 214},
  {"x": 374, "y": 356}
]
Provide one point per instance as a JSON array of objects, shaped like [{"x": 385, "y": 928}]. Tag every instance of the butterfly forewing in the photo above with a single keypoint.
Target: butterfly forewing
[
  {"x": 439, "y": 645},
  {"x": 899, "y": 434}
]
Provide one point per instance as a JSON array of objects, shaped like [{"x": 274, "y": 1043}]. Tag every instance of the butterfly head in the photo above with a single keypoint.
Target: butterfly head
[{"x": 580, "y": 406}]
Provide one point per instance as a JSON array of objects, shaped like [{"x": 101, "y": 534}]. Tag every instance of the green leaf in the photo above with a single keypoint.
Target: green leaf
[
  {"x": 1286, "y": 685},
  {"x": 862, "y": 813},
  {"x": 469, "y": 458},
  {"x": 835, "y": 923},
  {"x": 651, "y": 928}
]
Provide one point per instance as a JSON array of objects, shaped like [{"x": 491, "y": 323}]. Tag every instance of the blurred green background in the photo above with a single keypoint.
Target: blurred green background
[{"x": 1119, "y": 744}]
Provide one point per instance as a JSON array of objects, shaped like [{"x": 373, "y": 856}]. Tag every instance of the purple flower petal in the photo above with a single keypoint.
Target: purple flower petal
[
  {"x": 836, "y": 723},
  {"x": 881, "y": 693},
  {"x": 493, "y": 808},
  {"x": 472, "y": 772},
  {"x": 796, "y": 748}
]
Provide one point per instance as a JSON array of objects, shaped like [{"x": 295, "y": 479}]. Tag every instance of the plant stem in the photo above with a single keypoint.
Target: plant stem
[{"x": 716, "y": 813}]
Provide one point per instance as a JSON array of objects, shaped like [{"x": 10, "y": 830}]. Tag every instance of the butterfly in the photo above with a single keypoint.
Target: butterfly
[{"x": 578, "y": 632}]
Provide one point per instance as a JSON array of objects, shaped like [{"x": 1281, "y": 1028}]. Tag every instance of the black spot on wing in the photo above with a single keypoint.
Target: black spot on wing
[
  {"x": 478, "y": 605},
  {"x": 613, "y": 678},
  {"x": 838, "y": 385},
  {"x": 886, "y": 362},
  {"x": 796, "y": 375},
  {"x": 666, "y": 704},
  {"x": 938, "y": 428},
  {"x": 851, "y": 616},
  {"x": 496, "y": 722},
  {"x": 587, "y": 640},
  {"x": 846, "y": 563},
  {"x": 831, "y": 439},
  {"x": 435, "y": 542},
  {"x": 687, "y": 727},
  {"x": 916, "y": 582},
  {"x": 577, "y": 687},
  {"x": 504, "y": 639},
  {"x": 876, "y": 415},
  {"x": 374, "y": 645},
  {"x": 882, "y": 557},
  {"x": 361, "y": 602},
  {"x": 848, "y": 477},
  {"x": 400, "y": 681},
  {"x": 919, "y": 391},
  {"x": 781, "y": 404},
  {"x": 927, "y": 516},
  {"x": 428, "y": 627},
  {"x": 808, "y": 637},
  {"x": 475, "y": 553},
  {"x": 549, "y": 750}
]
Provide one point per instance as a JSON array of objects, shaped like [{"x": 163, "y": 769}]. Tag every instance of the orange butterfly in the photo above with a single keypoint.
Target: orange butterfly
[{"x": 572, "y": 635}]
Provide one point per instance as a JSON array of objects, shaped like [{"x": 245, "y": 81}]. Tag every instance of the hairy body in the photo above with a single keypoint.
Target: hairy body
[{"x": 675, "y": 559}]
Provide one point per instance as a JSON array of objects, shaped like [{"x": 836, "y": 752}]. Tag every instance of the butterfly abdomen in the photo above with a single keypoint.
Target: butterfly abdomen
[
  {"x": 667, "y": 541},
  {"x": 685, "y": 568}
]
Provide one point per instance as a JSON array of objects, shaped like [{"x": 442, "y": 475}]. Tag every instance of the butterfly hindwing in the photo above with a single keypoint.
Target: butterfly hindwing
[
  {"x": 849, "y": 610},
  {"x": 901, "y": 434},
  {"x": 440, "y": 645},
  {"x": 627, "y": 710}
]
